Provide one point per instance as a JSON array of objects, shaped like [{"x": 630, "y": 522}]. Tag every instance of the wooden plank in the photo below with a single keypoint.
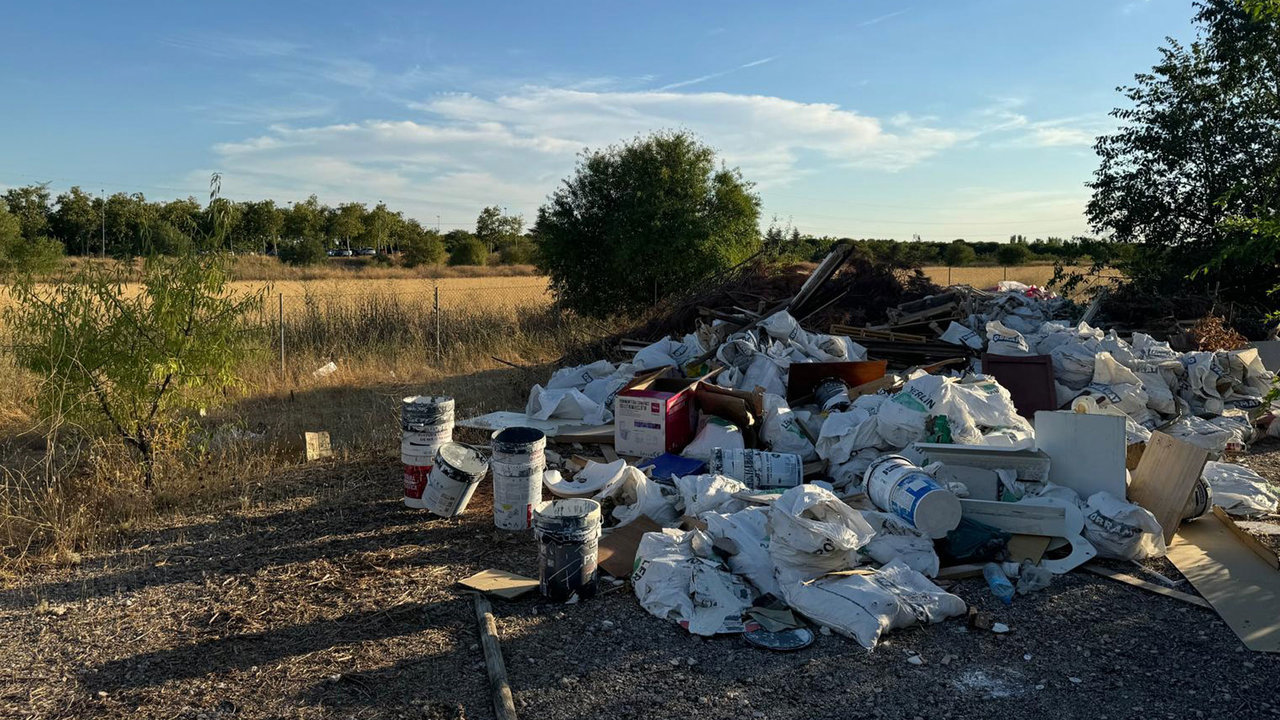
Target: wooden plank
[
  {"x": 1148, "y": 586},
  {"x": 1028, "y": 547},
  {"x": 1164, "y": 478},
  {"x": 959, "y": 572},
  {"x": 504, "y": 706},
  {"x": 1251, "y": 542},
  {"x": 1243, "y": 589}
]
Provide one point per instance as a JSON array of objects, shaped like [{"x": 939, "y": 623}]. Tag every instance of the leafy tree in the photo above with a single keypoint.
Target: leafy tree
[
  {"x": 1014, "y": 253},
  {"x": 959, "y": 253},
  {"x": 30, "y": 205},
  {"x": 347, "y": 222},
  {"x": 77, "y": 221},
  {"x": 1193, "y": 173},
  {"x": 302, "y": 251},
  {"x": 494, "y": 229},
  {"x": 454, "y": 238},
  {"x": 652, "y": 213},
  {"x": 261, "y": 223},
  {"x": 18, "y": 254},
  {"x": 186, "y": 216},
  {"x": 517, "y": 250},
  {"x": 137, "y": 361},
  {"x": 421, "y": 246},
  {"x": 377, "y": 228},
  {"x": 219, "y": 224},
  {"x": 469, "y": 252},
  {"x": 305, "y": 221}
]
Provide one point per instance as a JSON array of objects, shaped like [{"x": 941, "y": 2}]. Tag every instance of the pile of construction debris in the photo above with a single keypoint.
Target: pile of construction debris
[{"x": 754, "y": 474}]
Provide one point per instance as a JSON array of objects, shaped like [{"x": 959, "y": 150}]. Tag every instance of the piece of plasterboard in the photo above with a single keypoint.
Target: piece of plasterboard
[
  {"x": 1164, "y": 478},
  {"x": 1017, "y": 518},
  {"x": 1243, "y": 589},
  {"x": 1086, "y": 452}
]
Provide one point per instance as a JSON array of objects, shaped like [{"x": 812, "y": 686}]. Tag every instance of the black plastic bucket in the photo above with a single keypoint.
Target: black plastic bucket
[{"x": 568, "y": 533}]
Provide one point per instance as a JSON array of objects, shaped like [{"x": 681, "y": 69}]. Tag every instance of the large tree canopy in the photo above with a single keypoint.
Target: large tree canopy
[
  {"x": 652, "y": 217},
  {"x": 1196, "y": 156}
]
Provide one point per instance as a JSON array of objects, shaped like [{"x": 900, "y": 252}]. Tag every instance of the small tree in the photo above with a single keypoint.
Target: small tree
[
  {"x": 34, "y": 255},
  {"x": 303, "y": 251},
  {"x": 959, "y": 253},
  {"x": 653, "y": 214},
  {"x": 469, "y": 252},
  {"x": 421, "y": 246},
  {"x": 136, "y": 361},
  {"x": 1013, "y": 253},
  {"x": 517, "y": 250}
]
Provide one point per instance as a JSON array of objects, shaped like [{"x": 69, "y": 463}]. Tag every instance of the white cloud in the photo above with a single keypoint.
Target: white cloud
[
  {"x": 466, "y": 151},
  {"x": 713, "y": 76},
  {"x": 1061, "y": 137},
  {"x": 881, "y": 18}
]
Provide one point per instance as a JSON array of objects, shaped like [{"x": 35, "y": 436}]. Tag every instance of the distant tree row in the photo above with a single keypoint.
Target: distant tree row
[
  {"x": 790, "y": 244},
  {"x": 36, "y": 228}
]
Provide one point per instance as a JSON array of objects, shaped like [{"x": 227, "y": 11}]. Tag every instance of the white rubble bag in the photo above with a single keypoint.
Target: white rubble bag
[
  {"x": 844, "y": 433},
  {"x": 812, "y": 532},
  {"x": 1003, "y": 341},
  {"x": 1121, "y": 530},
  {"x": 895, "y": 539},
  {"x": 633, "y": 494},
  {"x": 1119, "y": 385},
  {"x": 1201, "y": 433},
  {"x": 566, "y": 404},
  {"x": 782, "y": 430},
  {"x": 703, "y": 493},
  {"x": 901, "y": 420},
  {"x": 715, "y": 433},
  {"x": 1159, "y": 393},
  {"x": 679, "y": 578},
  {"x": 1239, "y": 490},
  {"x": 744, "y": 537},
  {"x": 668, "y": 352},
  {"x": 958, "y": 334},
  {"x": 865, "y": 604},
  {"x": 581, "y": 375}
]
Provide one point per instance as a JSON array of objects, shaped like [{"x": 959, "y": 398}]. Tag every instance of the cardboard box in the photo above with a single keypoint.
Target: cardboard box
[{"x": 654, "y": 414}]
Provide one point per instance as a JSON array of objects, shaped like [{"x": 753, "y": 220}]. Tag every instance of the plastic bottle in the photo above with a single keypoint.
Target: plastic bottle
[{"x": 998, "y": 582}]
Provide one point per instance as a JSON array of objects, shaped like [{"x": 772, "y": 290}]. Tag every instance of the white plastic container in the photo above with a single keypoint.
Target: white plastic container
[
  {"x": 757, "y": 469},
  {"x": 519, "y": 460},
  {"x": 897, "y": 486},
  {"x": 456, "y": 472}
]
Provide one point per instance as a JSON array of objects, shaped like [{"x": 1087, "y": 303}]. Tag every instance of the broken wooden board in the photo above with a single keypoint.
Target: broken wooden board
[
  {"x": 1027, "y": 547},
  {"x": 1137, "y": 582},
  {"x": 501, "y": 583},
  {"x": 1243, "y": 589},
  {"x": 318, "y": 446},
  {"x": 617, "y": 550},
  {"x": 1251, "y": 542},
  {"x": 959, "y": 572},
  {"x": 1165, "y": 477}
]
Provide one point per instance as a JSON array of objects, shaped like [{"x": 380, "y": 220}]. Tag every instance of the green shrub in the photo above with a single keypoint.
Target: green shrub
[
  {"x": 302, "y": 252},
  {"x": 423, "y": 249},
  {"x": 469, "y": 252},
  {"x": 517, "y": 251}
]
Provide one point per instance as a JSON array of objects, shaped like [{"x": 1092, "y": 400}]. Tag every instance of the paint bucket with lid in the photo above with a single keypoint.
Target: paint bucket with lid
[
  {"x": 455, "y": 472},
  {"x": 426, "y": 423},
  {"x": 832, "y": 394},
  {"x": 1200, "y": 502},
  {"x": 897, "y": 486},
  {"x": 426, "y": 410},
  {"x": 568, "y": 534},
  {"x": 519, "y": 459}
]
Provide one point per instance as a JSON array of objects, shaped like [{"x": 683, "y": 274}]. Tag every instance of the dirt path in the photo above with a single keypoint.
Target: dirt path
[{"x": 340, "y": 603}]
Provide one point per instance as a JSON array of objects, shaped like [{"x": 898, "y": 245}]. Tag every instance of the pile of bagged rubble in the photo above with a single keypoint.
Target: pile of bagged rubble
[{"x": 754, "y": 473}]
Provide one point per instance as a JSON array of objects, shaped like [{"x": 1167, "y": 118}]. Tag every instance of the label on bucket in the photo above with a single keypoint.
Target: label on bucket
[
  {"x": 757, "y": 469},
  {"x": 906, "y": 495},
  {"x": 447, "y": 496},
  {"x": 415, "y": 479}
]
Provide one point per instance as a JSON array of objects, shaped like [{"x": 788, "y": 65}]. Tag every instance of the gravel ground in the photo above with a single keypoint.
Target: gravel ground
[{"x": 340, "y": 603}]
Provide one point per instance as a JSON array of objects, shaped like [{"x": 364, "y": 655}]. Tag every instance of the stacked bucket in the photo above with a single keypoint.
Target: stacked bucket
[
  {"x": 426, "y": 423},
  {"x": 519, "y": 459}
]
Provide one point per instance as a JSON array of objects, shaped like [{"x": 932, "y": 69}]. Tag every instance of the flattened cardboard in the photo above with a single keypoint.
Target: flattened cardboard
[
  {"x": 318, "y": 446},
  {"x": 1086, "y": 452},
  {"x": 617, "y": 550},
  {"x": 1243, "y": 589},
  {"x": 1164, "y": 478},
  {"x": 501, "y": 583}
]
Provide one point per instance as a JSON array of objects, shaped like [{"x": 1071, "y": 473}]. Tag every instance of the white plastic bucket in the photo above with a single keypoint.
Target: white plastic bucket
[
  {"x": 456, "y": 472},
  {"x": 757, "y": 469},
  {"x": 425, "y": 410},
  {"x": 899, "y": 487},
  {"x": 415, "y": 481},
  {"x": 519, "y": 459}
]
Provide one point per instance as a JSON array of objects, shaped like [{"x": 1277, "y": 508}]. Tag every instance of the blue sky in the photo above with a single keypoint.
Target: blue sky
[{"x": 867, "y": 118}]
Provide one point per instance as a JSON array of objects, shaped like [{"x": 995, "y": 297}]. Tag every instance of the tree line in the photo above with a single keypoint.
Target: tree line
[{"x": 37, "y": 228}]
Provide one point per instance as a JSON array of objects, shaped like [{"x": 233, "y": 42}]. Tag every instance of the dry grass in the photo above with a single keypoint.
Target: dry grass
[
  {"x": 986, "y": 276},
  {"x": 262, "y": 267}
]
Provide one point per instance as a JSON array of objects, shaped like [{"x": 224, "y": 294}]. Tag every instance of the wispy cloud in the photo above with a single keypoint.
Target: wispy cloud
[
  {"x": 882, "y": 18},
  {"x": 230, "y": 46},
  {"x": 713, "y": 76}
]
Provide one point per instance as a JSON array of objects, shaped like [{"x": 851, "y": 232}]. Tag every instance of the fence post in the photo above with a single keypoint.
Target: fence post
[
  {"x": 281, "y": 321},
  {"x": 437, "y": 311},
  {"x": 948, "y": 276}
]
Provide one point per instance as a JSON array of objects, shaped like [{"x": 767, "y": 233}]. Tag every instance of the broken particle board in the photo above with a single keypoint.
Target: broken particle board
[
  {"x": 501, "y": 583},
  {"x": 1165, "y": 477},
  {"x": 1251, "y": 542},
  {"x": 1243, "y": 589}
]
